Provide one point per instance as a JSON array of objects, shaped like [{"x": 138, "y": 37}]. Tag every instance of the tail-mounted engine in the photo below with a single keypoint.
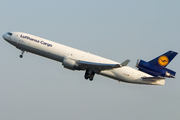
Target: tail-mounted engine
[{"x": 154, "y": 70}]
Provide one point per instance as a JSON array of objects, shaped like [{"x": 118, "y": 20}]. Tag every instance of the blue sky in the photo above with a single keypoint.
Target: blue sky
[{"x": 38, "y": 88}]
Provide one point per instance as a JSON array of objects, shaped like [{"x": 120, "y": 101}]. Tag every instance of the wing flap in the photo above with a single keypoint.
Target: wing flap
[{"x": 97, "y": 67}]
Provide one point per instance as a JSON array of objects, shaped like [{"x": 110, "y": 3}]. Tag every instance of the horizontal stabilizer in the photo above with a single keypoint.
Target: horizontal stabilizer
[{"x": 152, "y": 78}]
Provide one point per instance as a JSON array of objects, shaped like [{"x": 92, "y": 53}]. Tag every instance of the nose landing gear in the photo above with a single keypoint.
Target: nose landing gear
[{"x": 21, "y": 56}]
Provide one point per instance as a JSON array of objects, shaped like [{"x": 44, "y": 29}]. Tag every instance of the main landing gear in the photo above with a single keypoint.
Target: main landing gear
[
  {"x": 89, "y": 74},
  {"x": 21, "y": 56}
]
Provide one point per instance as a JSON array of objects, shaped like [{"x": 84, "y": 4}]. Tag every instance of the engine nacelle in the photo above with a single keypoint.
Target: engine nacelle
[
  {"x": 69, "y": 64},
  {"x": 154, "y": 70}
]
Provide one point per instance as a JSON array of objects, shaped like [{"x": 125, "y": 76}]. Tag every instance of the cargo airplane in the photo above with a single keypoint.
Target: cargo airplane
[{"x": 152, "y": 73}]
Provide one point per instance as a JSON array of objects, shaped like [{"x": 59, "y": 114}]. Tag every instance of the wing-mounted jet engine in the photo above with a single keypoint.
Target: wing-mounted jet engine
[{"x": 157, "y": 66}]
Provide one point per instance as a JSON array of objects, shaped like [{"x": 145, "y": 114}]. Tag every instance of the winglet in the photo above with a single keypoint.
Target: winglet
[{"x": 125, "y": 62}]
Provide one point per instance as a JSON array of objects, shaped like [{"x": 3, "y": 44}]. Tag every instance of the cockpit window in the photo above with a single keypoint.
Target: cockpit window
[{"x": 9, "y": 33}]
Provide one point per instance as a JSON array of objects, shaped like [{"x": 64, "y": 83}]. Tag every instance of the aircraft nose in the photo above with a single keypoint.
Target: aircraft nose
[{"x": 4, "y": 36}]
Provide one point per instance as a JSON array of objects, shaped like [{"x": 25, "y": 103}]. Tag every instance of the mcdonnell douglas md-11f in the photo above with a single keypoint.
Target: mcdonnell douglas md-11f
[{"x": 152, "y": 73}]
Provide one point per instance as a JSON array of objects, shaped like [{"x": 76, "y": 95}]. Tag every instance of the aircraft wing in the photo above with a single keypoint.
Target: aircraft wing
[{"x": 97, "y": 67}]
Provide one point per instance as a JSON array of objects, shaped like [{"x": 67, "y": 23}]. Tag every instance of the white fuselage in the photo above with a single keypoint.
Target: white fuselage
[{"x": 58, "y": 52}]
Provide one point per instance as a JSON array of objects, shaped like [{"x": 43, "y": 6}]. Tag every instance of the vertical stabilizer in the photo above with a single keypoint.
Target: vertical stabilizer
[{"x": 164, "y": 59}]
